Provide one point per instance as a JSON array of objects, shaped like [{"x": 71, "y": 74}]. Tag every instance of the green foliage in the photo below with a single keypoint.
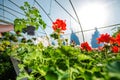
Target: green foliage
[
  {"x": 50, "y": 63},
  {"x": 61, "y": 63},
  {"x": 19, "y": 24},
  {"x": 7, "y": 36},
  {"x": 114, "y": 67},
  {"x": 114, "y": 70},
  {"x": 6, "y": 67},
  {"x": 37, "y": 62},
  {"x": 33, "y": 18},
  {"x": 54, "y": 35},
  {"x": 4, "y": 45}
]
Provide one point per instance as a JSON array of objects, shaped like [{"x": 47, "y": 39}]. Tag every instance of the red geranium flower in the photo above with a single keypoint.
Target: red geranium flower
[
  {"x": 115, "y": 49},
  {"x": 104, "y": 38},
  {"x": 59, "y": 25},
  {"x": 118, "y": 39},
  {"x": 112, "y": 40},
  {"x": 85, "y": 46}
]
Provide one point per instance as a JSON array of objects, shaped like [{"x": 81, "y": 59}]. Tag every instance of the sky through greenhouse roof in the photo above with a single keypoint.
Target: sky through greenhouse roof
[{"x": 91, "y": 13}]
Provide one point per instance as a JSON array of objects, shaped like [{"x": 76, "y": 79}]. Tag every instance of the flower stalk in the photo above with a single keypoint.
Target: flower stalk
[{"x": 59, "y": 40}]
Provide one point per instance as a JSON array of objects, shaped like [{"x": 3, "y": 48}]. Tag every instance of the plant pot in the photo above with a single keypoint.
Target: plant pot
[
  {"x": 30, "y": 30},
  {"x": 15, "y": 65}
]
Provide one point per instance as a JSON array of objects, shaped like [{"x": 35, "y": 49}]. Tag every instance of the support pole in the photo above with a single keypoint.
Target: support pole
[{"x": 78, "y": 20}]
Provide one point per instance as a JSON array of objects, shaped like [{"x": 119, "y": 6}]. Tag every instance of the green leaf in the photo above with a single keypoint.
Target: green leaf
[
  {"x": 98, "y": 74},
  {"x": 22, "y": 8},
  {"x": 44, "y": 25},
  {"x": 114, "y": 67},
  {"x": 114, "y": 70},
  {"x": 51, "y": 76},
  {"x": 88, "y": 75},
  {"x": 83, "y": 57},
  {"x": 61, "y": 63},
  {"x": 19, "y": 24},
  {"x": 26, "y": 4},
  {"x": 22, "y": 75},
  {"x": 65, "y": 76}
]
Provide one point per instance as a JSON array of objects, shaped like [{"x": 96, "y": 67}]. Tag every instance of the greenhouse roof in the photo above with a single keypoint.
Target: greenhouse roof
[{"x": 80, "y": 15}]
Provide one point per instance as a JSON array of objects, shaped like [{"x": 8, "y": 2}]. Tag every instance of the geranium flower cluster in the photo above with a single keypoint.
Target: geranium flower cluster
[
  {"x": 113, "y": 42},
  {"x": 85, "y": 46},
  {"x": 104, "y": 38},
  {"x": 59, "y": 26}
]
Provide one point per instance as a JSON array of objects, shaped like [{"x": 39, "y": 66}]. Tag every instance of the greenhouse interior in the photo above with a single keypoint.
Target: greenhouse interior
[{"x": 59, "y": 40}]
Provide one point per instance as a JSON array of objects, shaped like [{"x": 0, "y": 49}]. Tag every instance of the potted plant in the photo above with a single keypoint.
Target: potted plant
[{"x": 31, "y": 22}]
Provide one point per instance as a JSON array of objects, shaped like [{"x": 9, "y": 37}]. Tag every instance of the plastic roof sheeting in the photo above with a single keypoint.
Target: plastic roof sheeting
[{"x": 53, "y": 9}]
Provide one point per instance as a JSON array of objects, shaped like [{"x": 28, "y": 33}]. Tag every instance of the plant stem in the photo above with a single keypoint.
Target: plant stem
[
  {"x": 106, "y": 54},
  {"x": 59, "y": 41}
]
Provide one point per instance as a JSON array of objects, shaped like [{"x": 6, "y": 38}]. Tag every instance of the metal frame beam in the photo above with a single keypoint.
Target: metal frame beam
[{"x": 78, "y": 20}]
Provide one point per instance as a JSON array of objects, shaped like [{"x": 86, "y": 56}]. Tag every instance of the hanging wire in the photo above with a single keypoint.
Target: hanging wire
[
  {"x": 65, "y": 10},
  {"x": 94, "y": 29},
  {"x": 4, "y": 21},
  {"x": 12, "y": 9},
  {"x": 14, "y": 3},
  {"x": 103, "y": 27},
  {"x": 44, "y": 11},
  {"x": 9, "y": 12},
  {"x": 6, "y": 18},
  {"x": 78, "y": 20}
]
